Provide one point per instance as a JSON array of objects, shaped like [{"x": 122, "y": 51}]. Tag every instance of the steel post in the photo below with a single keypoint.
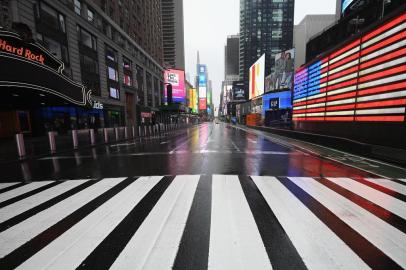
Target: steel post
[{"x": 20, "y": 145}]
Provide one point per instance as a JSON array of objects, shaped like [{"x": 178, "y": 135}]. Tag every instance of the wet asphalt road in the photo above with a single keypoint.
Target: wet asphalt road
[
  {"x": 209, "y": 197},
  {"x": 207, "y": 149}
]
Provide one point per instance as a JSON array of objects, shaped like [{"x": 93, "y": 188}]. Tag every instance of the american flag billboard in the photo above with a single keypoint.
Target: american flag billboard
[{"x": 363, "y": 81}]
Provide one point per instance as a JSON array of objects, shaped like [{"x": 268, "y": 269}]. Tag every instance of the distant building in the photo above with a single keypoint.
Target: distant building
[
  {"x": 173, "y": 34},
  {"x": 306, "y": 29},
  {"x": 265, "y": 27},
  {"x": 231, "y": 56}
]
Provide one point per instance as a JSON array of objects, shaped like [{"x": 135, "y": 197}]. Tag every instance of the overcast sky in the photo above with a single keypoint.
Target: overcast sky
[{"x": 209, "y": 22}]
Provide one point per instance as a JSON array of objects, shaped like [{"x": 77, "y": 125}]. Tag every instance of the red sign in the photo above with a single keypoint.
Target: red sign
[
  {"x": 146, "y": 115},
  {"x": 202, "y": 103},
  {"x": 21, "y": 51}
]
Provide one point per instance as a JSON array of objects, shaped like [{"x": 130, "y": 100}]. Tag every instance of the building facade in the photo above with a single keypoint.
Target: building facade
[
  {"x": 310, "y": 26},
  {"x": 265, "y": 27},
  {"x": 354, "y": 17},
  {"x": 231, "y": 56},
  {"x": 173, "y": 34},
  {"x": 114, "y": 48}
]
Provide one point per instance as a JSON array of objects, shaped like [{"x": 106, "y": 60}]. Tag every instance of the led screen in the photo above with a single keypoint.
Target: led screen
[
  {"x": 177, "y": 79},
  {"x": 202, "y": 104},
  {"x": 363, "y": 81},
  {"x": 202, "y": 92},
  {"x": 257, "y": 78},
  {"x": 284, "y": 100},
  {"x": 193, "y": 99},
  {"x": 282, "y": 78}
]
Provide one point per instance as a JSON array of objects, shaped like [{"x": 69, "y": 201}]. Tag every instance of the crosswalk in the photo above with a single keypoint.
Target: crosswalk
[{"x": 204, "y": 222}]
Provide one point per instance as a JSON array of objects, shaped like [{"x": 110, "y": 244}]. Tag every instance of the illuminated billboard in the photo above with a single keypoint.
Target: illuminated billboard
[
  {"x": 362, "y": 81},
  {"x": 202, "y": 92},
  {"x": 238, "y": 91},
  {"x": 282, "y": 78},
  {"x": 177, "y": 79},
  {"x": 193, "y": 100},
  {"x": 202, "y": 104},
  {"x": 257, "y": 78}
]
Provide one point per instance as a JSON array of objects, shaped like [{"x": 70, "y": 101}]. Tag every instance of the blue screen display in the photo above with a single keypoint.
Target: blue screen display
[{"x": 285, "y": 100}]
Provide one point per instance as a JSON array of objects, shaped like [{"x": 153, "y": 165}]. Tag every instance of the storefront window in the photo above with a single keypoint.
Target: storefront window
[
  {"x": 90, "y": 15},
  {"x": 88, "y": 64},
  {"x": 86, "y": 38},
  {"x": 112, "y": 73},
  {"x": 127, "y": 70},
  {"x": 111, "y": 54},
  {"x": 56, "y": 48},
  {"x": 114, "y": 93},
  {"x": 77, "y": 6}
]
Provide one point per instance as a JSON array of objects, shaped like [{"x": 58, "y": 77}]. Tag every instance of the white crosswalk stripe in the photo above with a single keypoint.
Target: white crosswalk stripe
[
  {"x": 26, "y": 230},
  {"x": 377, "y": 197},
  {"x": 85, "y": 235},
  {"x": 155, "y": 244},
  {"x": 235, "y": 242},
  {"x": 387, "y": 238},
  {"x": 6, "y": 185},
  {"x": 21, "y": 190},
  {"x": 30, "y": 202},
  {"x": 328, "y": 251},
  {"x": 87, "y": 215},
  {"x": 399, "y": 188}
]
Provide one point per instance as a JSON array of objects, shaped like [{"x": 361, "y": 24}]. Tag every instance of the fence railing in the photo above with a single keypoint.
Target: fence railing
[{"x": 75, "y": 139}]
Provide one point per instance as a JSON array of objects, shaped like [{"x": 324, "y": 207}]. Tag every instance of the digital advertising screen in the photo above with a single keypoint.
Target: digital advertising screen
[
  {"x": 239, "y": 91},
  {"x": 202, "y": 104},
  {"x": 202, "y": 75},
  {"x": 177, "y": 79},
  {"x": 362, "y": 81},
  {"x": 282, "y": 78},
  {"x": 257, "y": 78},
  {"x": 202, "y": 92}
]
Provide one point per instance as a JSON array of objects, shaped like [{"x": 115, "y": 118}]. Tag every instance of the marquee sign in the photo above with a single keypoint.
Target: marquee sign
[{"x": 28, "y": 65}]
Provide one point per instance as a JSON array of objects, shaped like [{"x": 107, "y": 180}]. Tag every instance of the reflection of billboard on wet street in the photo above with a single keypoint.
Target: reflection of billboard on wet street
[
  {"x": 177, "y": 79},
  {"x": 257, "y": 78},
  {"x": 282, "y": 78}
]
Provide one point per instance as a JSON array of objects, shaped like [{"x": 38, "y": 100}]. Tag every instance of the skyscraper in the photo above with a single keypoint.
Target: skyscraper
[
  {"x": 173, "y": 33},
  {"x": 265, "y": 27},
  {"x": 231, "y": 56}
]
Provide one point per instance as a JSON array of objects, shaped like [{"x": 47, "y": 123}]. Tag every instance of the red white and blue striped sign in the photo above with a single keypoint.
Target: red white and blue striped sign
[{"x": 364, "y": 81}]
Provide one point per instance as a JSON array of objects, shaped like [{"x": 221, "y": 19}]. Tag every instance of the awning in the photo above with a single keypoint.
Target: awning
[{"x": 28, "y": 70}]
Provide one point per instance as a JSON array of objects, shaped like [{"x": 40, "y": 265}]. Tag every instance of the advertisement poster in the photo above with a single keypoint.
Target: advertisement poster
[
  {"x": 202, "y": 104},
  {"x": 257, "y": 78},
  {"x": 177, "y": 79},
  {"x": 193, "y": 100},
  {"x": 282, "y": 78}
]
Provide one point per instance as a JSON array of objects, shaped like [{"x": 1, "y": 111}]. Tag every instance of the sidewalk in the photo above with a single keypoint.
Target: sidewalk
[
  {"x": 381, "y": 161},
  {"x": 39, "y": 146}
]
